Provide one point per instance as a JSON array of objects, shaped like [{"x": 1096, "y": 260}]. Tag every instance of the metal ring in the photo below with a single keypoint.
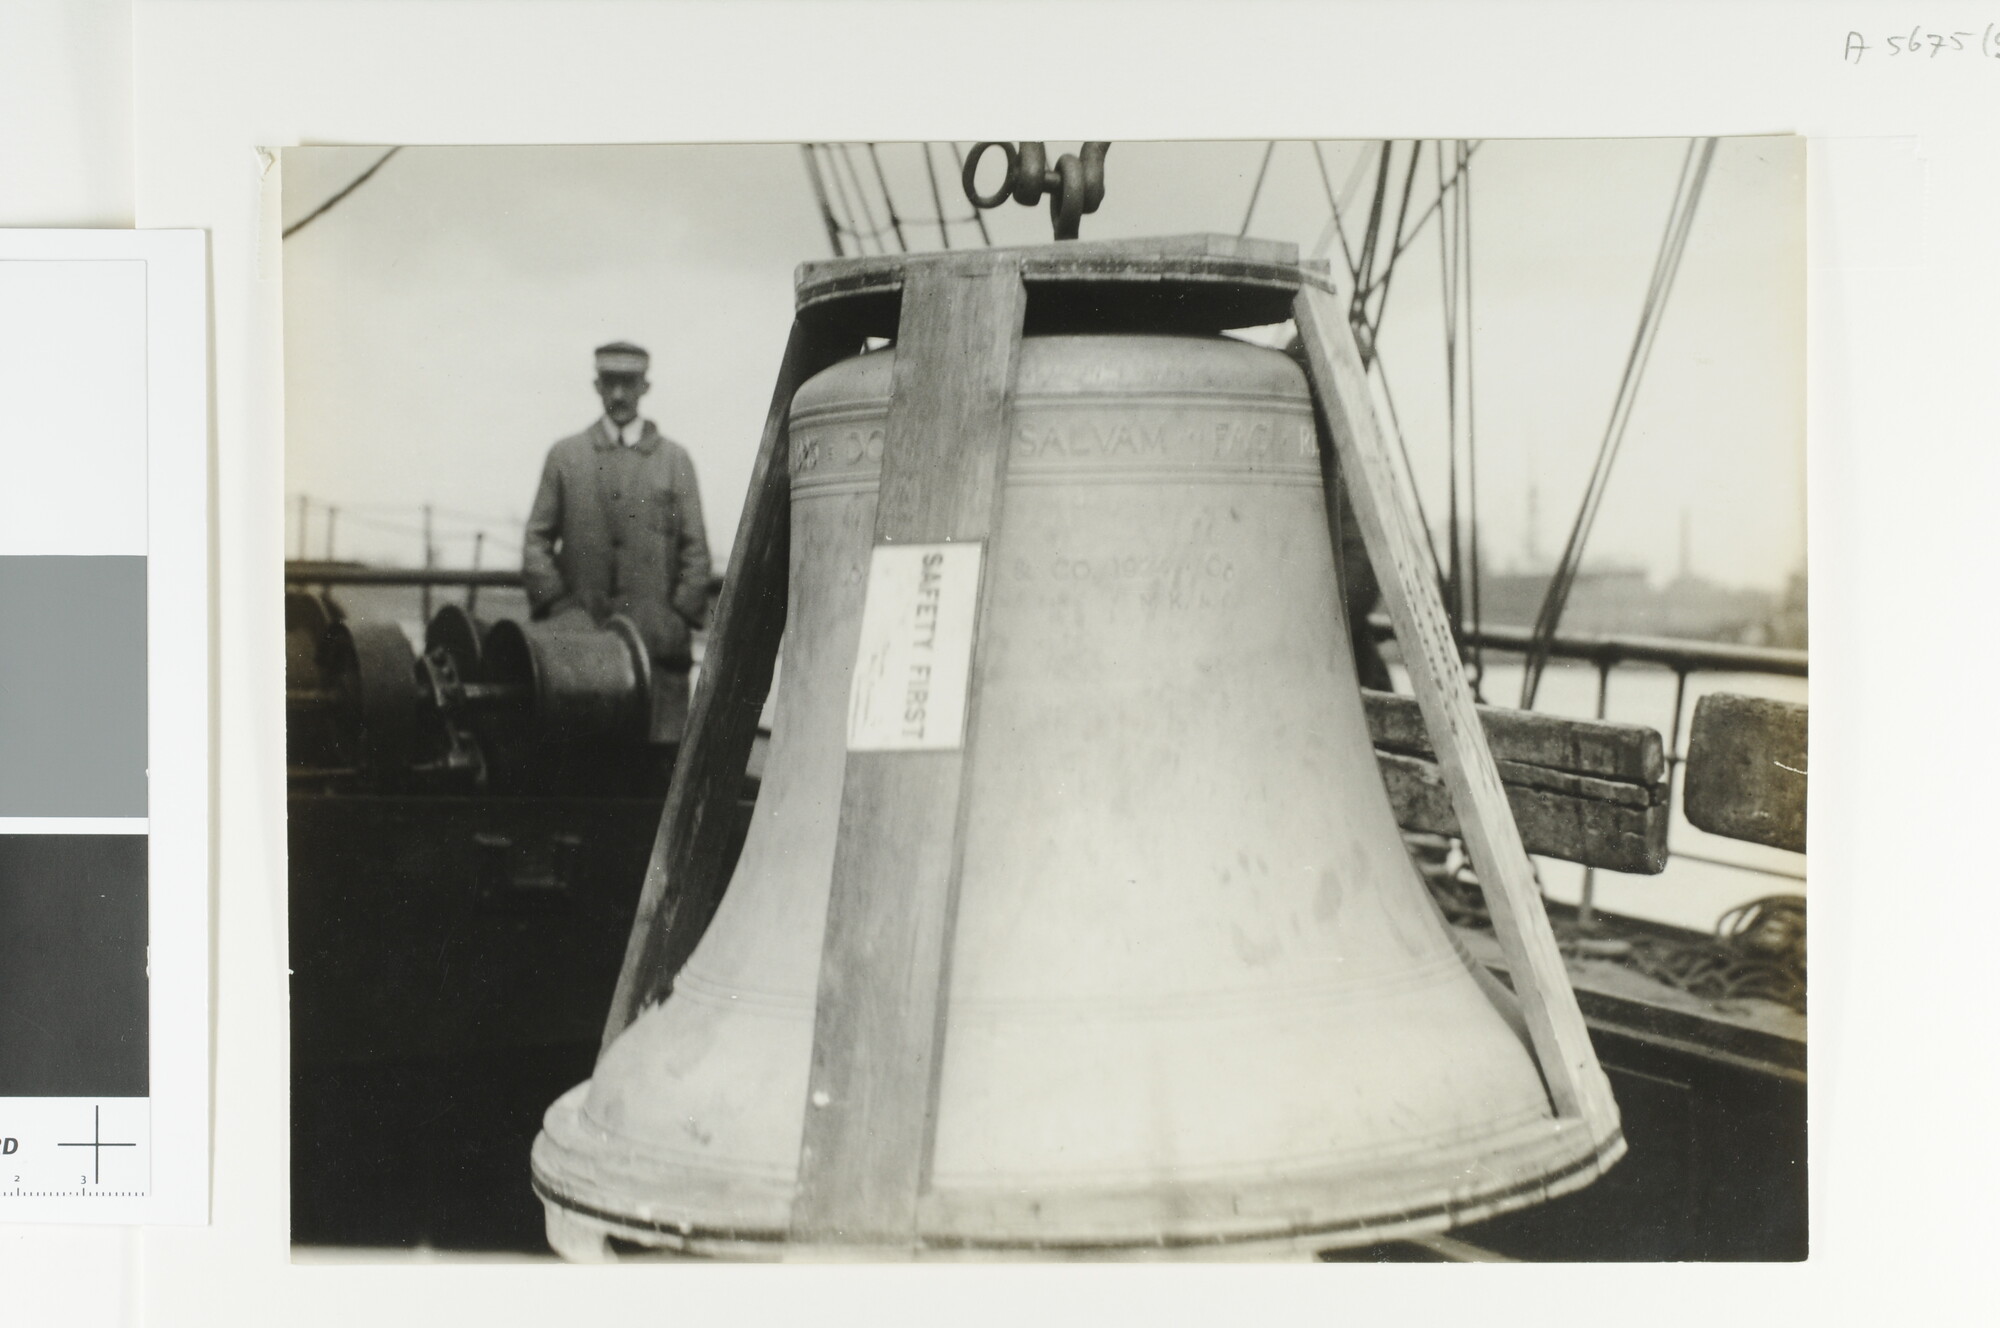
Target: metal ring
[
  {"x": 1093, "y": 174},
  {"x": 1032, "y": 176},
  {"x": 1066, "y": 199},
  {"x": 972, "y": 169}
]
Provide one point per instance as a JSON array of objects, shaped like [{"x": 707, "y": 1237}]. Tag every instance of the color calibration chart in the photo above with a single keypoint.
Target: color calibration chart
[{"x": 104, "y": 706}]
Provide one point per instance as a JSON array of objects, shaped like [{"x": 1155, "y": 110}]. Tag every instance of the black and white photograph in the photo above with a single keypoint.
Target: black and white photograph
[{"x": 1034, "y": 701}]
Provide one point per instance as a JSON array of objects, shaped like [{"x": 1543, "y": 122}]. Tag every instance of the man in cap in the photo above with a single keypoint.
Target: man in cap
[{"x": 617, "y": 529}]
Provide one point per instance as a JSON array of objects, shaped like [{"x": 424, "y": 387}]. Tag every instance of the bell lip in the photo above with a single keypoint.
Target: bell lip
[{"x": 1565, "y": 1157}]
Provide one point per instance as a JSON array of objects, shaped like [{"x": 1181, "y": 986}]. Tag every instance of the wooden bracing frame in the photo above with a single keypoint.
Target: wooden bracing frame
[{"x": 884, "y": 968}]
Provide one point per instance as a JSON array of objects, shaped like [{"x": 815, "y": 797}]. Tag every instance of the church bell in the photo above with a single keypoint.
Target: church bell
[{"x": 1192, "y": 995}]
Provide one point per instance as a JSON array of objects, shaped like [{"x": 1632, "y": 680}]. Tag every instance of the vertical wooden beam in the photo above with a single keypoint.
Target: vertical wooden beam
[
  {"x": 684, "y": 878},
  {"x": 883, "y": 968},
  {"x": 1576, "y": 1083}
]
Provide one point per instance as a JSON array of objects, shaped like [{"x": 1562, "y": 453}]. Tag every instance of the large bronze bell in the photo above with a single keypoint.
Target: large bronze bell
[{"x": 1196, "y": 997}]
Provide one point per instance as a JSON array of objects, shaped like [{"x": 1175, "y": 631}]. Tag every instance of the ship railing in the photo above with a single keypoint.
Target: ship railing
[{"x": 1606, "y": 653}]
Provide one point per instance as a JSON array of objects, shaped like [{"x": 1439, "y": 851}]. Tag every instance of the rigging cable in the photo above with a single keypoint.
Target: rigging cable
[
  {"x": 352, "y": 185},
  {"x": 1448, "y": 278},
  {"x": 1389, "y": 268},
  {"x": 888, "y": 200},
  {"x": 1680, "y": 217},
  {"x": 978, "y": 217},
  {"x": 1257, "y": 188},
  {"x": 1371, "y": 362},
  {"x": 1334, "y": 227},
  {"x": 1409, "y": 469},
  {"x": 1623, "y": 409},
  {"x": 850, "y": 224},
  {"x": 850, "y": 196},
  {"x": 937, "y": 201},
  {"x": 1635, "y": 364},
  {"x": 1373, "y": 343},
  {"x": 819, "y": 193},
  {"x": 1464, "y": 184},
  {"x": 1365, "y": 342},
  {"x": 1417, "y": 229},
  {"x": 1455, "y": 271},
  {"x": 861, "y": 195},
  {"x": 1364, "y": 270}
]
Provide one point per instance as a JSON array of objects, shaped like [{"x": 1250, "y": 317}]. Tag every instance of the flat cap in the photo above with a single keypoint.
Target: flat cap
[{"x": 622, "y": 357}]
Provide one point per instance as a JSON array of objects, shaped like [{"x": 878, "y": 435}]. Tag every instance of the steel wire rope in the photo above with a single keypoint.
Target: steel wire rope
[
  {"x": 819, "y": 194},
  {"x": 937, "y": 199},
  {"x": 900, "y": 222},
  {"x": 448, "y": 513},
  {"x": 376, "y": 523},
  {"x": 978, "y": 218},
  {"x": 1334, "y": 226},
  {"x": 1371, "y": 360},
  {"x": 1651, "y": 314},
  {"x": 888, "y": 199},
  {"x": 329, "y": 204},
  {"x": 1428, "y": 212},
  {"x": 1645, "y": 312},
  {"x": 1755, "y": 951},
  {"x": 1257, "y": 188},
  {"x": 1372, "y": 352},
  {"x": 1448, "y": 281},
  {"x": 1409, "y": 469},
  {"x": 852, "y": 224},
  {"x": 1364, "y": 268},
  {"x": 1389, "y": 269},
  {"x": 1372, "y": 363},
  {"x": 861, "y": 195},
  {"x": 1463, "y": 182},
  {"x": 357, "y": 505},
  {"x": 485, "y": 518},
  {"x": 1680, "y": 218},
  {"x": 843, "y": 216},
  {"x": 1455, "y": 269}
]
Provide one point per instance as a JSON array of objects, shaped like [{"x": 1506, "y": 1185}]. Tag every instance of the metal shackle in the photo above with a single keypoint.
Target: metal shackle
[{"x": 1075, "y": 185}]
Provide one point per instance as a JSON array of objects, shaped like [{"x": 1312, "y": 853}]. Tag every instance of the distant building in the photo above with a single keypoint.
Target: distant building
[
  {"x": 1622, "y": 601},
  {"x": 1786, "y": 625}
]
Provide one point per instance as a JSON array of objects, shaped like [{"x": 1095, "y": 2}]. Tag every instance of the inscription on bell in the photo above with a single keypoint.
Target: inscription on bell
[
  {"x": 1091, "y": 438},
  {"x": 837, "y": 449},
  {"x": 1189, "y": 437},
  {"x": 911, "y": 668},
  {"x": 1204, "y": 439}
]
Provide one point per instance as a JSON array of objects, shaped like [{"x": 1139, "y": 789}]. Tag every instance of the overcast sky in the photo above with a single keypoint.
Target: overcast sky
[{"x": 439, "y": 323}]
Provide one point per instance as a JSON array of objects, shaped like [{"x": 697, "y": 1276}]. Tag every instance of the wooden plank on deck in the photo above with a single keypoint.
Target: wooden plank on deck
[
  {"x": 1571, "y": 825},
  {"x": 872, "y": 1093},
  {"x": 1577, "y": 1085},
  {"x": 1746, "y": 770},
  {"x": 1631, "y": 753}
]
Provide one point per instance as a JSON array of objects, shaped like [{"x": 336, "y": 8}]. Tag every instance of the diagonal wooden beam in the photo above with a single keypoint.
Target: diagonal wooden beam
[
  {"x": 1576, "y": 1083},
  {"x": 884, "y": 965},
  {"x": 685, "y": 877}
]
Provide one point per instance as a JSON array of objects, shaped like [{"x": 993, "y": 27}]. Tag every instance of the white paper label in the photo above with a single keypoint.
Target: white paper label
[{"x": 916, "y": 649}]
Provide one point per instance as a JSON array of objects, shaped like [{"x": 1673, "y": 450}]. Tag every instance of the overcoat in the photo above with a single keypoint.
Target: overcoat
[{"x": 618, "y": 529}]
